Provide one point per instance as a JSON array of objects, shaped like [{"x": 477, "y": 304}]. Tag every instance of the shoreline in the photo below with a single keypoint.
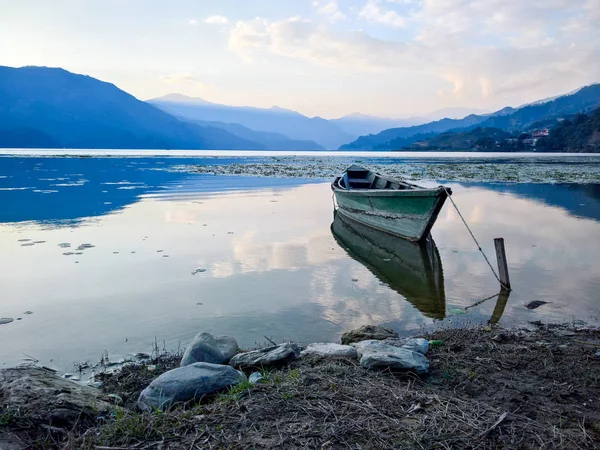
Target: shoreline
[{"x": 487, "y": 387}]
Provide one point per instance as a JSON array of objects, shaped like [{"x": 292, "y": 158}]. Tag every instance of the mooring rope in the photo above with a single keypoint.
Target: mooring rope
[{"x": 477, "y": 243}]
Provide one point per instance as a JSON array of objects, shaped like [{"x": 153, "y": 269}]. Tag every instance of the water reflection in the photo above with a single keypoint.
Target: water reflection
[
  {"x": 63, "y": 191},
  {"x": 412, "y": 270},
  {"x": 581, "y": 200}
]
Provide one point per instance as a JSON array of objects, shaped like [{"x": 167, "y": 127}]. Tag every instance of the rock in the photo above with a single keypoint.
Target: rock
[
  {"x": 5, "y": 320},
  {"x": 535, "y": 304},
  {"x": 44, "y": 397},
  {"x": 322, "y": 349},
  {"x": 269, "y": 356},
  {"x": 187, "y": 383},
  {"x": 396, "y": 358},
  {"x": 373, "y": 346},
  {"x": 207, "y": 348},
  {"x": 418, "y": 345},
  {"x": 367, "y": 332}
]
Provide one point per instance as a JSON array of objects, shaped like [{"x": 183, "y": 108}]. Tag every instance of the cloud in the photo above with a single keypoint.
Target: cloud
[
  {"x": 216, "y": 20},
  {"x": 193, "y": 22},
  {"x": 331, "y": 10},
  {"x": 302, "y": 39},
  {"x": 373, "y": 12},
  {"x": 479, "y": 51},
  {"x": 183, "y": 78}
]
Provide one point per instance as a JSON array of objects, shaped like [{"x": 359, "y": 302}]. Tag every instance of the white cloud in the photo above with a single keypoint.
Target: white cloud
[
  {"x": 216, "y": 20},
  {"x": 331, "y": 10},
  {"x": 505, "y": 48},
  {"x": 373, "y": 12},
  {"x": 302, "y": 39},
  {"x": 193, "y": 22}
]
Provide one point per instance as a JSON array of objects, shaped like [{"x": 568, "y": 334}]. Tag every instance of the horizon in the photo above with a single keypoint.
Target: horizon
[{"x": 383, "y": 58}]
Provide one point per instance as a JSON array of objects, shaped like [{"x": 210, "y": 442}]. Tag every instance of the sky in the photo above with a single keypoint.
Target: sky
[{"x": 392, "y": 58}]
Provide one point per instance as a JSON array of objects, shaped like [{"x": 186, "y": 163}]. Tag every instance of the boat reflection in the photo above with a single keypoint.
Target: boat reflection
[{"x": 413, "y": 270}]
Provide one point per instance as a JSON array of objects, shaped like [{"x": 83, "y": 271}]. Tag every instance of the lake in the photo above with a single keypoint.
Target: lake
[{"x": 114, "y": 254}]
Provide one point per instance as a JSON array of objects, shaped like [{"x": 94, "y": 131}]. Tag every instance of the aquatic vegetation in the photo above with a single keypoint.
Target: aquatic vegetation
[{"x": 517, "y": 170}]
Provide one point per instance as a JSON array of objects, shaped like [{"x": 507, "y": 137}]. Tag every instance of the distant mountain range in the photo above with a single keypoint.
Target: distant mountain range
[
  {"x": 44, "y": 107},
  {"x": 291, "y": 124},
  {"x": 508, "y": 119},
  {"x": 306, "y": 133},
  {"x": 49, "y": 108}
]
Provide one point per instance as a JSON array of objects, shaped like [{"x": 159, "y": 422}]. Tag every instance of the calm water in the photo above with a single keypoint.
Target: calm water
[{"x": 111, "y": 253}]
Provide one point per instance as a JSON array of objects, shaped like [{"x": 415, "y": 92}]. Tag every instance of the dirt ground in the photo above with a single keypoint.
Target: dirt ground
[{"x": 487, "y": 388}]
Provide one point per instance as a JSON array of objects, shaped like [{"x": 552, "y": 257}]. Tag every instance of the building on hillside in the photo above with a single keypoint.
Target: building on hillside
[{"x": 540, "y": 133}]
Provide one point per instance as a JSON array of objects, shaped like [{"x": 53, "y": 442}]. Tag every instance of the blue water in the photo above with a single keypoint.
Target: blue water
[{"x": 269, "y": 263}]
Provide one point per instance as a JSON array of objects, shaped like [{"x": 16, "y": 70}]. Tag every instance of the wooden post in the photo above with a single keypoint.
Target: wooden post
[{"x": 502, "y": 265}]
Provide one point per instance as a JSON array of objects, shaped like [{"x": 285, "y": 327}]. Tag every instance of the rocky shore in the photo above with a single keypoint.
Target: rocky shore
[{"x": 455, "y": 388}]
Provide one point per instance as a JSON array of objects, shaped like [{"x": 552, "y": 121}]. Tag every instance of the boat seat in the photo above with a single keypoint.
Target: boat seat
[{"x": 359, "y": 183}]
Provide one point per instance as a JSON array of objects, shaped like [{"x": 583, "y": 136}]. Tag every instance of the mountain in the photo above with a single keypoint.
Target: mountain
[
  {"x": 51, "y": 107},
  {"x": 580, "y": 133},
  {"x": 456, "y": 112},
  {"x": 358, "y": 124},
  {"x": 507, "y": 119},
  {"x": 583, "y": 100},
  {"x": 273, "y": 120},
  {"x": 410, "y": 134},
  {"x": 271, "y": 141}
]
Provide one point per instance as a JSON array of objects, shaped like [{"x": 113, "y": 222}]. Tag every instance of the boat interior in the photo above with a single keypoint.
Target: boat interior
[{"x": 357, "y": 177}]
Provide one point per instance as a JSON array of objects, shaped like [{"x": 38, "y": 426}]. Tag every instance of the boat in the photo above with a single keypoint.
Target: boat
[
  {"x": 387, "y": 204},
  {"x": 413, "y": 269}
]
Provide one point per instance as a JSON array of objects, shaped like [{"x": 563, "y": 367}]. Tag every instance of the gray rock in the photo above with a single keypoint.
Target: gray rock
[
  {"x": 396, "y": 359},
  {"x": 44, "y": 397},
  {"x": 207, "y": 348},
  {"x": 418, "y": 345},
  {"x": 187, "y": 383},
  {"x": 374, "y": 346},
  {"x": 329, "y": 349},
  {"x": 269, "y": 356},
  {"x": 368, "y": 332}
]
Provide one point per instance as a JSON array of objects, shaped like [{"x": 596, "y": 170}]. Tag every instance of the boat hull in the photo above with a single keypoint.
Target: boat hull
[{"x": 408, "y": 214}]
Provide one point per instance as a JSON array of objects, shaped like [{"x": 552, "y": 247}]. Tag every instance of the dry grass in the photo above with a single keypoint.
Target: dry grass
[{"x": 486, "y": 389}]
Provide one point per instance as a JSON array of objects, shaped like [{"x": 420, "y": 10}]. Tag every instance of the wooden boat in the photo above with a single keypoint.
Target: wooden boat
[
  {"x": 414, "y": 270},
  {"x": 394, "y": 206}
]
